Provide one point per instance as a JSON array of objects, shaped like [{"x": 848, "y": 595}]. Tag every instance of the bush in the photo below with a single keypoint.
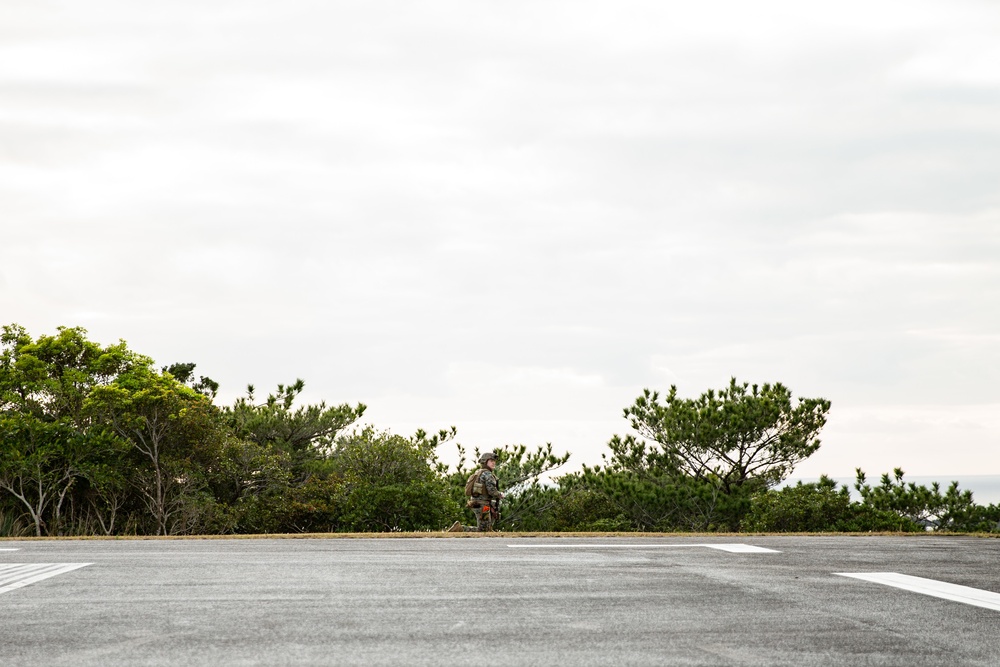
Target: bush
[
  {"x": 926, "y": 507},
  {"x": 580, "y": 509},
  {"x": 389, "y": 483},
  {"x": 397, "y": 507},
  {"x": 814, "y": 507}
]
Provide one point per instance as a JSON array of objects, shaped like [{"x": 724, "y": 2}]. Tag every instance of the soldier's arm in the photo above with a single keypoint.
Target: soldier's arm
[{"x": 490, "y": 482}]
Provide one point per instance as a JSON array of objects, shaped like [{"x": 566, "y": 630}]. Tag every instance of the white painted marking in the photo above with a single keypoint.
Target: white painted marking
[
  {"x": 742, "y": 549},
  {"x": 4, "y": 549},
  {"x": 731, "y": 548},
  {"x": 939, "y": 589},
  {"x": 14, "y": 576}
]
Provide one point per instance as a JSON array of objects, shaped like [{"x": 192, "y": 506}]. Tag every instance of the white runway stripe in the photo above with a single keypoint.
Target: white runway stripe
[
  {"x": 939, "y": 589},
  {"x": 18, "y": 575},
  {"x": 6, "y": 549},
  {"x": 731, "y": 548}
]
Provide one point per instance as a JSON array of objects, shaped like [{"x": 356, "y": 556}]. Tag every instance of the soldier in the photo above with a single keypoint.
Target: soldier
[{"x": 482, "y": 489}]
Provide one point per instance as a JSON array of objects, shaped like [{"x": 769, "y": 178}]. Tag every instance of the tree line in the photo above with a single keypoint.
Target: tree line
[{"x": 97, "y": 440}]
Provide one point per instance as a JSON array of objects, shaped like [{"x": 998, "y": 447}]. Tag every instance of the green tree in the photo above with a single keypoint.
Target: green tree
[
  {"x": 390, "y": 482},
  {"x": 276, "y": 475},
  {"x": 184, "y": 373},
  {"x": 41, "y": 462},
  {"x": 702, "y": 460},
  {"x": 38, "y": 465},
  {"x": 174, "y": 431},
  {"x": 525, "y": 477},
  {"x": 52, "y": 376},
  {"x": 50, "y": 443},
  {"x": 576, "y": 506},
  {"x": 910, "y": 506},
  {"x": 254, "y": 482},
  {"x": 650, "y": 494},
  {"x": 306, "y": 434},
  {"x": 103, "y": 503},
  {"x": 732, "y": 436}
]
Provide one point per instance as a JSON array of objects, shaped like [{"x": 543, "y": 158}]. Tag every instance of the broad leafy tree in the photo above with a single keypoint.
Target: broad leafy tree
[
  {"x": 389, "y": 482},
  {"x": 49, "y": 448},
  {"x": 39, "y": 463},
  {"x": 50, "y": 377},
  {"x": 174, "y": 432}
]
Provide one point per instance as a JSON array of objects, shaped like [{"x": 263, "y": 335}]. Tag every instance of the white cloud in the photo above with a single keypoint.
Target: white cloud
[
  {"x": 920, "y": 439},
  {"x": 514, "y": 217}
]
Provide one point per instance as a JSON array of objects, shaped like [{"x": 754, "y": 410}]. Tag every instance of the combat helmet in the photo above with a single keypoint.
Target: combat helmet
[{"x": 486, "y": 456}]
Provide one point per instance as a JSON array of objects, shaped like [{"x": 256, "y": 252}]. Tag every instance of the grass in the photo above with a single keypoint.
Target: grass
[{"x": 503, "y": 535}]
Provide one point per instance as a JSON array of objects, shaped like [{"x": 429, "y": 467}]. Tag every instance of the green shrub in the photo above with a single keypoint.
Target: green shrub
[{"x": 814, "y": 507}]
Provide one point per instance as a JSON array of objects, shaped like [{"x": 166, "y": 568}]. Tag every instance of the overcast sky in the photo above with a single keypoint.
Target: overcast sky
[{"x": 512, "y": 217}]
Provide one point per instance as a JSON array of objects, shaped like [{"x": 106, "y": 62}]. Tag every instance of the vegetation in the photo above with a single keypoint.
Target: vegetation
[
  {"x": 94, "y": 440},
  {"x": 736, "y": 436}
]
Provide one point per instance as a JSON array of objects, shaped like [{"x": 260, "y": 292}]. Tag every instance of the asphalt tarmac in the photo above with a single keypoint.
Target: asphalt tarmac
[{"x": 501, "y": 601}]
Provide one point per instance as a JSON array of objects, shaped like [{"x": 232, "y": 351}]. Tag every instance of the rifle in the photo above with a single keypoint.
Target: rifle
[
  {"x": 495, "y": 507},
  {"x": 495, "y": 510}
]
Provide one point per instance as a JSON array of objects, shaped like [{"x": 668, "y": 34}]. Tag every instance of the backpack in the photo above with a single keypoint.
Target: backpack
[{"x": 473, "y": 486}]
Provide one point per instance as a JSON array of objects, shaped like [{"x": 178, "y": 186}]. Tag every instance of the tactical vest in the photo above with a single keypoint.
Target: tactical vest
[{"x": 474, "y": 487}]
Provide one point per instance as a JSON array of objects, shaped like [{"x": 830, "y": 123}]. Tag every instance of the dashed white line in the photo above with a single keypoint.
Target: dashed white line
[
  {"x": 18, "y": 575},
  {"x": 731, "y": 548},
  {"x": 939, "y": 589},
  {"x": 6, "y": 549}
]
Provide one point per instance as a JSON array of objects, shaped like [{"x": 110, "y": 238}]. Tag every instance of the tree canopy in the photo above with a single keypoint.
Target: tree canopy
[
  {"x": 95, "y": 439},
  {"x": 731, "y": 436}
]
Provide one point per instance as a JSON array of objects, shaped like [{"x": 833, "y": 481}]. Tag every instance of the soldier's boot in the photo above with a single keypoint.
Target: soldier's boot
[{"x": 455, "y": 528}]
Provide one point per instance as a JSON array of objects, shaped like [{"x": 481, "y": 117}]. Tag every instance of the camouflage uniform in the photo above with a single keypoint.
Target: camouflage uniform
[
  {"x": 484, "y": 490},
  {"x": 480, "y": 504}
]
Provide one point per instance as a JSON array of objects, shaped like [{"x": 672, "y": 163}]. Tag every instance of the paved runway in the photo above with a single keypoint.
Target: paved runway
[{"x": 503, "y": 601}]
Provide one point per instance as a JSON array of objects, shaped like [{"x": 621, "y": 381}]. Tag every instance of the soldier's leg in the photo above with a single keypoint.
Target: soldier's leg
[
  {"x": 485, "y": 519},
  {"x": 472, "y": 529},
  {"x": 459, "y": 527}
]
